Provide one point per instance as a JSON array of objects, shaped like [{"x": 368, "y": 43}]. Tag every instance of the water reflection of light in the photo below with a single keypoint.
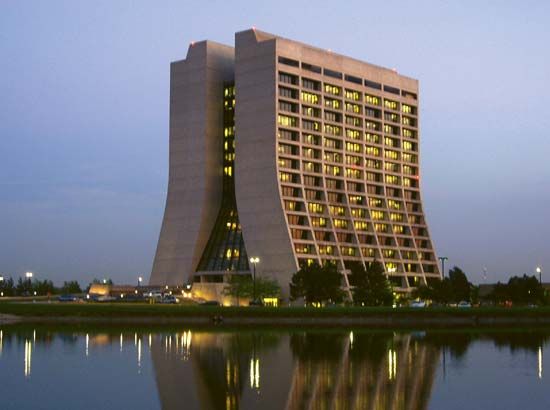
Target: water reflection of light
[
  {"x": 1, "y": 341},
  {"x": 28, "y": 357},
  {"x": 392, "y": 364},
  {"x": 255, "y": 373},
  {"x": 186, "y": 344},
  {"x": 150, "y": 340},
  {"x": 139, "y": 355},
  {"x": 351, "y": 339},
  {"x": 87, "y": 343},
  {"x": 540, "y": 362},
  {"x": 121, "y": 341}
]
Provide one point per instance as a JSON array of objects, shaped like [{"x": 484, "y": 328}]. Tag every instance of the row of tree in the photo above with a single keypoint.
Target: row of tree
[{"x": 26, "y": 287}]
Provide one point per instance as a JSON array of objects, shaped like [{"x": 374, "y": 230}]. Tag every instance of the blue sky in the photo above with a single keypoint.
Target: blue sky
[{"x": 84, "y": 121}]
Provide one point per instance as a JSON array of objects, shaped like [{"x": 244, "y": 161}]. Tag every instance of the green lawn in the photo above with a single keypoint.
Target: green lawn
[{"x": 43, "y": 309}]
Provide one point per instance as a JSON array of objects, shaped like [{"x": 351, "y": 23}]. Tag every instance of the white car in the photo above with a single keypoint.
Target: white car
[
  {"x": 418, "y": 304},
  {"x": 464, "y": 304}
]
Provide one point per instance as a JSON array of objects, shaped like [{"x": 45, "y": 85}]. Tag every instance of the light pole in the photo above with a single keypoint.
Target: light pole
[
  {"x": 443, "y": 259},
  {"x": 254, "y": 260},
  {"x": 28, "y": 275},
  {"x": 139, "y": 281},
  {"x": 539, "y": 271}
]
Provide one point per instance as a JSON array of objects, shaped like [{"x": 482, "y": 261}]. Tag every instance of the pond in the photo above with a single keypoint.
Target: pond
[{"x": 47, "y": 367}]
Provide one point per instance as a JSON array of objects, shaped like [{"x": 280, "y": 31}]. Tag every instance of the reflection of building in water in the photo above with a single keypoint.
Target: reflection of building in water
[
  {"x": 312, "y": 370},
  {"x": 362, "y": 371}
]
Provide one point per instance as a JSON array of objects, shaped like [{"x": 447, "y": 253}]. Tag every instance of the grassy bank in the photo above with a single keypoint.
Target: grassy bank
[{"x": 128, "y": 310}]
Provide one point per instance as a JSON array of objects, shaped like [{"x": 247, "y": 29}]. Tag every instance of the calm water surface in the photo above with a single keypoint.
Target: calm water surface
[{"x": 114, "y": 368}]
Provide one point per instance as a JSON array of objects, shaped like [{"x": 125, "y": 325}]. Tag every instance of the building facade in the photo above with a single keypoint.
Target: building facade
[{"x": 294, "y": 155}]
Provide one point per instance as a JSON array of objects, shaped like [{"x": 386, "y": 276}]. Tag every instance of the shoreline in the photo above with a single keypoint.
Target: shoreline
[{"x": 405, "y": 320}]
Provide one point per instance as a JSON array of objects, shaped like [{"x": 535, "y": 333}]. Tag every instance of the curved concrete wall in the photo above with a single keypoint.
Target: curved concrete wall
[{"x": 195, "y": 179}]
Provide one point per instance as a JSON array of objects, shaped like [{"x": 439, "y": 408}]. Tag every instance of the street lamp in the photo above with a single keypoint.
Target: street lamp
[
  {"x": 539, "y": 271},
  {"x": 28, "y": 275},
  {"x": 139, "y": 281},
  {"x": 254, "y": 260},
  {"x": 443, "y": 259}
]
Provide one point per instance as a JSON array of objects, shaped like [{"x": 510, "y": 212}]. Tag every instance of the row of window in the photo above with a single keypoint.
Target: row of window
[
  {"x": 346, "y": 77},
  {"x": 333, "y": 98}
]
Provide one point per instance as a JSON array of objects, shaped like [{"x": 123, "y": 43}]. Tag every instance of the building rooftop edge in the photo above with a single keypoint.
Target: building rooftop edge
[{"x": 262, "y": 36}]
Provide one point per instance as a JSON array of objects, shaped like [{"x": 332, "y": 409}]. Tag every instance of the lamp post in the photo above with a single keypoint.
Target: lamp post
[
  {"x": 29, "y": 275},
  {"x": 254, "y": 260},
  {"x": 139, "y": 281},
  {"x": 443, "y": 259},
  {"x": 539, "y": 271}
]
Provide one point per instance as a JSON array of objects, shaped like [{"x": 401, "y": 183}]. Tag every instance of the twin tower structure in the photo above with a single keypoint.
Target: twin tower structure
[{"x": 292, "y": 155}]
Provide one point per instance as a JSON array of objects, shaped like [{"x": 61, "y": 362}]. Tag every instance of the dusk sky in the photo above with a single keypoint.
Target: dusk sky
[{"x": 84, "y": 92}]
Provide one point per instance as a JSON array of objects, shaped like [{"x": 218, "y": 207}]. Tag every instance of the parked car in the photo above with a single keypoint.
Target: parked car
[
  {"x": 256, "y": 302},
  {"x": 418, "y": 304},
  {"x": 210, "y": 303},
  {"x": 105, "y": 298},
  {"x": 464, "y": 304},
  {"x": 67, "y": 298},
  {"x": 170, "y": 299}
]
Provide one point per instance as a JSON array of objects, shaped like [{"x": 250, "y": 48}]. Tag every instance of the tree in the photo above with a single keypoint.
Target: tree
[
  {"x": 461, "y": 288},
  {"x": 7, "y": 287},
  {"x": 242, "y": 286},
  {"x": 317, "y": 284},
  {"x": 71, "y": 287},
  {"x": 24, "y": 287},
  {"x": 370, "y": 286},
  {"x": 44, "y": 287}
]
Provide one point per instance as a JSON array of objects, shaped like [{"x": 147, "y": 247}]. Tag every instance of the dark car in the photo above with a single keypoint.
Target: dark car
[
  {"x": 256, "y": 302},
  {"x": 67, "y": 298},
  {"x": 210, "y": 303}
]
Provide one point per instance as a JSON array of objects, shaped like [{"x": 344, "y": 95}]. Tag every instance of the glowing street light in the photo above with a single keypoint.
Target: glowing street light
[
  {"x": 254, "y": 261},
  {"x": 140, "y": 279},
  {"x": 539, "y": 271},
  {"x": 29, "y": 275}
]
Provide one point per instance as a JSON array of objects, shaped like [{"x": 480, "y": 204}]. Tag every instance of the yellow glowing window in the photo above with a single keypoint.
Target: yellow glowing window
[
  {"x": 353, "y": 134},
  {"x": 407, "y": 181},
  {"x": 358, "y": 213},
  {"x": 374, "y": 151},
  {"x": 316, "y": 208},
  {"x": 408, "y": 170},
  {"x": 409, "y": 157},
  {"x": 353, "y": 108},
  {"x": 333, "y": 89},
  {"x": 353, "y": 173},
  {"x": 396, "y": 217},
  {"x": 356, "y": 199},
  {"x": 353, "y": 147},
  {"x": 360, "y": 225},
  {"x": 372, "y": 99},
  {"x": 370, "y": 125},
  {"x": 407, "y": 145},
  {"x": 391, "y": 267},
  {"x": 337, "y": 210},
  {"x": 285, "y": 177},
  {"x": 406, "y": 121},
  {"x": 378, "y": 215},
  {"x": 394, "y": 204},
  {"x": 406, "y": 109},
  {"x": 392, "y": 179},
  {"x": 392, "y": 167},
  {"x": 287, "y": 121},
  {"x": 228, "y": 131},
  {"x": 228, "y": 171},
  {"x": 340, "y": 223},
  {"x": 375, "y": 202},
  {"x": 392, "y": 105},
  {"x": 368, "y": 252},
  {"x": 332, "y": 129},
  {"x": 336, "y": 104},
  {"x": 391, "y": 154},
  {"x": 389, "y": 253},
  {"x": 353, "y": 95},
  {"x": 408, "y": 133},
  {"x": 347, "y": 251},
  {"x": 398, "y": 229},
  {"x": 374, "y": 138},
  {"x": 310, "y": 98}
]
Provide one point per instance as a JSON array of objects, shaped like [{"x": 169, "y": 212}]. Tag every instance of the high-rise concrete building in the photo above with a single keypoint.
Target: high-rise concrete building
[{"x": 292, "y": 154}]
